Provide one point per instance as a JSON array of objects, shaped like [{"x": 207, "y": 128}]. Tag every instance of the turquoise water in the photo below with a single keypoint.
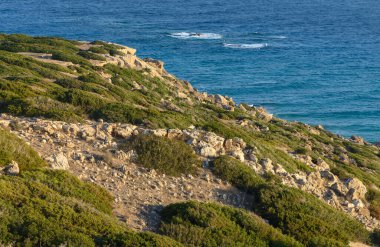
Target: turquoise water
[{"x": 311, "y": 61}]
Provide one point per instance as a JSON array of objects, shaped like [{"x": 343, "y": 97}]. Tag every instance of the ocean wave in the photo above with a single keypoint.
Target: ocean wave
[
  {"x": 277, "y": 37},
  {"x": 186, "y": 35},
  {"x": 246, "y": 46}
]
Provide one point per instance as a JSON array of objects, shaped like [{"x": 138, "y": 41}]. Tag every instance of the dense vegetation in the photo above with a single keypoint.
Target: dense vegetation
[
  {"x": 200, "y": 224},
  {"x": 167, "y": 156},
  {"x": 295, "y": 212}
]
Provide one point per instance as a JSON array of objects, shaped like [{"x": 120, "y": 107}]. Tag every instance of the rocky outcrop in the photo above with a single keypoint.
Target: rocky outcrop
[{"x": 77, "y": 147}]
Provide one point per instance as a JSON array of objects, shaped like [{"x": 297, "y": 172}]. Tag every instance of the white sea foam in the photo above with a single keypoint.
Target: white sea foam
[
  {"x": 186, "y": 35},
  {"x": 278, "y": 37},
  {"x": 246, "y": 46}
]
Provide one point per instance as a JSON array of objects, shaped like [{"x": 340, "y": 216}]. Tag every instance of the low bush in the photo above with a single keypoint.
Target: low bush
[
  {"x": 69, "y": 57},
  {"x": 92, "y": 77},
  {"x": 14, "y": 149},
  {"x": 237, "y": 173},
  {"x": 119, "y": 113},
  {"x": 167, "y": 156},
  {"x": 70, "y": 186},
  {"x": 90, "y": 55},
  {"x": 201, "y": 224}
]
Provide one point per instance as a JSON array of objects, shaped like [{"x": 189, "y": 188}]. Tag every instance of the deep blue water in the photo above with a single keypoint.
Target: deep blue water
[{"x": 312, "y": 61}]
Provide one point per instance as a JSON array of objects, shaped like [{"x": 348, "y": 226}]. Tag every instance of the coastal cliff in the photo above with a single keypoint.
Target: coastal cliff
[{"x": 115, "y": 139}]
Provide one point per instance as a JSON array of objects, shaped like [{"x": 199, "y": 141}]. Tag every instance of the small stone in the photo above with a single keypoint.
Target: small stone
[{"x": 12, "y": 169}]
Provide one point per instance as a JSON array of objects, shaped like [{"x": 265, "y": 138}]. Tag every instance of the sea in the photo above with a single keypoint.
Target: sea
[{"x": 312, "y": 61}]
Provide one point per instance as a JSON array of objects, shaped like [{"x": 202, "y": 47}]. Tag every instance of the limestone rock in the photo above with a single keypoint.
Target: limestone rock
[
  {"x": 357, "y": 139},
  {"x": 12, "y": 169},
  {"x": 124, "y": 131},
  {"x": 175, "y": 134},
  {"x": 356, "y": 189},
  {"x": 238, "y": 154},
  {"x": 266, "y": 164},
  {"x": 326, "y": 174},
  {"x": 207, "y": 152},
  {"x": 234, "y": 144},
  {"x": 59, "y": 162},
  {"x": 87, "y": 131}
]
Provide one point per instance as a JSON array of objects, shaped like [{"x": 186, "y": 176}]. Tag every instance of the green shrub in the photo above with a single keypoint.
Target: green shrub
[
  {"x": 303, "y": 216},
  {"x": 69, "y": 57},
  {"x": 120, "y": 113},
  {"x": 201, "y": 224},
  {"x": 90, "y": 55},
  {"x": 237, "y": 173},
  {"x": 98, "y": 49},
  {"x": 301, "y": 150},
  {"x": 71, "y": 186},
  {"x": 14, "y": 149},
  {"x": 92, "y": 77},
  {"x": 167, "y": 156}
]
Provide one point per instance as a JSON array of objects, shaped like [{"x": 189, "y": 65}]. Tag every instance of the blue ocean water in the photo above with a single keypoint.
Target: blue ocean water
[{"x": 311, "y": 61}]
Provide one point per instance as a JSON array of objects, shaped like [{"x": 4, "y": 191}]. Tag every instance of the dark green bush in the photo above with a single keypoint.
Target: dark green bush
[
  {"x": 201, "y": 224},
  {"x": 90, "y": 55},
  {"x": 167, "y": 156},
  {"x": 237, "y": 173},
  {"x": 69, "y": 57},
  {"x": 120, "y": 113},
  {"x": 98, "y": 49},
  {"x": 92, "y": 77}
]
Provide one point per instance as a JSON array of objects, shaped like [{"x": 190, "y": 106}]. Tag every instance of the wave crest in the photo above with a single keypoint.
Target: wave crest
[
  {"x": 186, "y": 35},
  {"x": 246, "y": 46}
]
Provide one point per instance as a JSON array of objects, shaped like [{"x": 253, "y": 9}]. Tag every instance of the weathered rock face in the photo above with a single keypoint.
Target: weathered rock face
[
  {"x": 12, "y": 169},
  {"x": 356, "y": 189}
]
